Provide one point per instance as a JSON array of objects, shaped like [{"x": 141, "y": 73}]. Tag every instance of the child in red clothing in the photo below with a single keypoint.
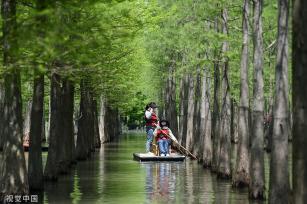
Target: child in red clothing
[{"x": 163, "y": 137}]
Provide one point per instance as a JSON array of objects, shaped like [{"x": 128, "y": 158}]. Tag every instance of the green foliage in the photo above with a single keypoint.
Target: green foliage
[
  {"x": 100, "y": 41},
  {"x": 124, "y": 48},
  {"x": 188, "y": 30}
]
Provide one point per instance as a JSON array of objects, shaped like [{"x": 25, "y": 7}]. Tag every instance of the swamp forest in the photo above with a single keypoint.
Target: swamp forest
[{"x": 230, "y": 77}]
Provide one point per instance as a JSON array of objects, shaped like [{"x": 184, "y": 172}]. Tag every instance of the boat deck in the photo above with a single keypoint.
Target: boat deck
[{"x": 149, "y": 157}]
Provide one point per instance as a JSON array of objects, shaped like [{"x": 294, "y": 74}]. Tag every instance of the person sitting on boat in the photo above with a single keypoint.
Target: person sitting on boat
[
  {"x": 152, "y": 121},
  {"x": 164, "y": 137}
]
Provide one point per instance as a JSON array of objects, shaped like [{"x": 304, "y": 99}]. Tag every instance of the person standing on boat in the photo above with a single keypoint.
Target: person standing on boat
[
  {"x": 152, "y": 122},
  {"x": 164, "y": 137}
]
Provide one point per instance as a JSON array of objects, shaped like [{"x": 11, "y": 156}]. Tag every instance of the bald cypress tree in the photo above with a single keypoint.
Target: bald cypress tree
[
  {"x": 224, "y": 164},
  {"x": 190, "y": 113},
  {"x": 183, "y": 108},
  {"x": 256, "y": 190},
  {"x": 170, "y": 98},
  {"x": 35, "y": 163},
  {"x": 216, "y": 108},
  {"x": 241, "y": 175},
  {"x": 205, "y": 121},
  {"x": 1, "y": 113},
  {"x": 279, "y": 174},
  {"x": 299, "y": 102},
  {"x": 51, "y": 169},
  {"x": 14, "y": 179}
]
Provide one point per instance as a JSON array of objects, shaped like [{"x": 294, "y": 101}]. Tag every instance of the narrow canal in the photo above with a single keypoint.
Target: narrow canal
[{"x": 112, "y": 176}]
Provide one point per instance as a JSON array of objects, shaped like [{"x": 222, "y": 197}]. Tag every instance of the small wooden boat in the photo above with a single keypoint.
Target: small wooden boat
[{"x": 153, "y": 157}]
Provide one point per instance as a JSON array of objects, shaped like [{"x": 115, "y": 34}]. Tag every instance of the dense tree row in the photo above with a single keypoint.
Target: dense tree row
[
  {"x": 65, "y": 59},
  {"x": 86, "y": 65},
  {"x": 199, "y": 56}
]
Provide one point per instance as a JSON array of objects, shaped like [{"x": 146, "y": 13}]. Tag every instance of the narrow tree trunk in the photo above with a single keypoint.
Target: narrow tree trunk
[
  {"x": 290, "y": 122},
  {"x": 35, "y": 163},
  {"x": 234, "y": 122},
  {"x": 183, "y": 106},
  {"x": 162, "y": 108},
  {"x": 216, "y": 112},
  {"x": 75, "y": 133},
  {"x": 170, "y": 102},
  {"x": 205, "y": 121},
  {"x": 224, "y": 165},
  {"x": 27, "y": 122},
  {"x": 113, "y": 124},
  {"x": 51, "y": 168},
  {"x": 299, "y": 79},
  {"x": 2, "y": 122},
  {"x": 256, "y": 190},
  {"x": 107, "y": 119},
  {"x": 268, "y": 132},
  {"x": 268, "y": 129},
  {"x": 242, "y": 174},
  {"x": 66, "y": 146},
  {"x": 279, "y": 175},
  {"x": 190, "y": 114},
  {"x": 43, "y": 134},
  {"x": 101, "y": 120},
  {"x": 96, "y": 126},
  {"x": 109, "y": 124},
  {"x": 14, "y": 179},
  {"x": 197, "y": 141},
  {"x": 47, "y": 130},
  {"x": 85, "y": 125},
  {"x": 91, "y": 124},
  {"x": 118, "y": 124}
]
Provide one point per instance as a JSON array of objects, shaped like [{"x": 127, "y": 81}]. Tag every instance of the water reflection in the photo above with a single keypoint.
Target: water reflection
[
  {"x": 111, "y": 176},
  {"x": 57, "y": 192},
  {"x": 161, "y": 179},
  {"x": 187, "y": 182}
]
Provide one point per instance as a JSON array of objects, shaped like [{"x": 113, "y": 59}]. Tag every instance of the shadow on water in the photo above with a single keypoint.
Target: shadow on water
[{"x": 111, "y": 176}]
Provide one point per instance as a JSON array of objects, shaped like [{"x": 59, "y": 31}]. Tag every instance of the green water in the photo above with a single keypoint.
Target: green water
[{"x": 112, "y": 176}]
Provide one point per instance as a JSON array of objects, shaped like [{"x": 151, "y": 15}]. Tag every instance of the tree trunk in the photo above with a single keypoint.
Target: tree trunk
[
  {"x": 224, "y": 165},
  {"x": 75, "y": 132},
  {"x": 112, "y": 124},
  {"x": 279, "y": 175},
  {"x": 27, "y": 121},
  {"x": 256, "y": 190},
  {"x": 162, "y": 112},
  {"x": 85, "y": 125},
  {"x": 216, "y": 112},
  {"x": 234, "y": 122},
  {"x": 299, "y": 79},
  {"x": 118, "y": 124},
  {"x": 183, "y": 106},
  {"x": 69, "y": 98},
  {"x": 51, "y": 169},
  {"x": 2, "y": 122},
  {"x": 242, "y": 174},
  {"x": 35, "y": 163},
  {"x": 290, "y": 122},
  {"x": 66, "y": 146},
  {"x": 190, "y": 114},
  {"x": 96, "y": 126},
  {"x": 268, "y": 128},
  {"x": 14, "y": 179},
  {"x": 107, "y": 119},
  {"x": 205, "y": 121},
  {"x": 197, "y": 141},
  {"x": 101, "y": 120},
  {"x": 170, "y": 102},
  {"x": 47, "y": 128}
]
